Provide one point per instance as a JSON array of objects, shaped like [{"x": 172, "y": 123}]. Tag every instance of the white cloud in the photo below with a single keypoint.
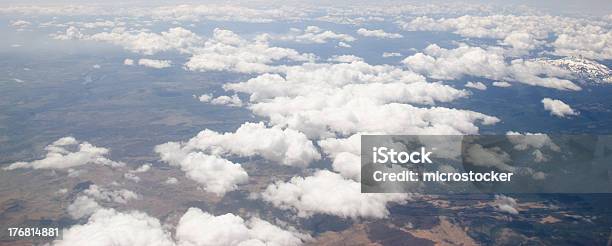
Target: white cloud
[
  {"x": 378, "y": 33},
  {"x": 128, "y": 62},
  {"x": 117, "y": 196},
  {"x": 225, "y": 12},
  {"x": 171, "y": 181},
  {"x": 83, "y": 206},
  {"x": 217, "y": 175},
  {"x": 142, "y": 169},
  {"x": 346, "y": 155},
  {"x": 345, "y": 58},
  {"x": 155, "y": 63},
  {"x": 205, "y": 97},
  {"x": 67, "y": 152},
  {"x": 20, "y": 23},
  {"x": 345, "y": 98},
  {"x": 343, "y": 45},
  {"x": 110, "y": 227},
  {"x": 283, "y": 146},
  {"x": 177, "y": 38},
  {"x": 574, "y": 36},
  {"x": 476, "y": 85},
  {"x": 314, "y": 34},
  {"x": 440, "y": 63},
  {"x": 505, "y": 204},
  {"x": 558, "y": 108},
  {"x": 226, "y": 51},
  {"x": 233, "y": 101},
  {"x": 230, "y": 229},
  {"x": 132, "y": 177},
  {"x": 328, "y": 193},
  {"x": 502, "y": 84},
  {"x": 391, "y": 54}
]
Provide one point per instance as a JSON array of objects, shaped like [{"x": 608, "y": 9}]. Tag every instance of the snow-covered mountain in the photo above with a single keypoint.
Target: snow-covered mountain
[{"x": 583, "y": 69}]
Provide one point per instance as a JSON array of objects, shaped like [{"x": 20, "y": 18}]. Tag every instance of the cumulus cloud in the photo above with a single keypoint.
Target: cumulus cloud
[
  {"x": 378, "y": 33},
  {"x": 329, "y": 193},
  {"x": 20, "y": 24},
  {"x": 391, "y": 54},
  {"x": 155, "y": 63},
  {"x": 200, "y": 157},
  {"x": 314, "y": 34},
  {"x": 345, "y": 98},
  {"x": 345, "y": 58},
  {"x": 107, "y": 226},
  {"x": 505, "y": 204},
  {"x": 233, "y": 101},
  {"x": 128, "y": 62},
  {"x": 345, "y": 154},
  {"x": 226, "y": 51},
  {"x": 67, "y": 152},
  {"x": 476, "y": 85},
  {"x": 110, "y": 227},
  {"x": 502, "y": 84},
  {"x": 282, "y": 146},
  {"x": 230, "y": 229},
  {"x": 441, "y": 63},
  {"x": 148, "y": 43},
  {"x": 83, "y": 206},
  {"x": 343, "y": 45},
  {"x": 217, "y": 175},
  {"x": 117, "y": 196},
  {"x": 171, "y": 181},
  {"x": 558, "y": 108},
  {"x": 574, "y": 36}
]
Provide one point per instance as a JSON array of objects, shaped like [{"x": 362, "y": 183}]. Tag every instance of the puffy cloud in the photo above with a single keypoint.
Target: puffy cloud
[
  {"x": 502, "y": 84},
  {"x": 171, "y": 181},
  {"x": 343, "y": 45},
  {"x": 155, "y": 63},
  {"x": 440, "y": 63},
  {"x": 390, "y": 54},
  {"x": 476, "y": 85},
  {"x": 505, "y": 204},
  {"x": 67, "y": 152},
  {"x": 558, "y": 108},
  {"x": 345, "y": 98},
  {"x": 148, "y": 43},
  {"x": 345, "y": 58},
  {"x": 283, "y": 146},
  {"x": 314, "y": 34},
  {"x": 346, "y": 155},
  {"x": 575, "y": 37},
  {"x": 118, "y": 196},
  {"x": 328, "y": 193},
  {"x": 142, "y": 169},
  {"x": 230, "y": 229},
  {"x": 233, "y": 101},
  {"x": 217, "y": 175},
  {"x": 378, "y": 33},
  {"x": 226, "y": 51},
  {"x": 20, "y": 24},
  {"x": 83, "y": 206},
  {"x": 128, "y": 62},
  {"x": 205, "y": 97},
  {"x": 131, "y": 177},
  {"x": 225, "y": 12},
  {"x": 110, "y": 227}
]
